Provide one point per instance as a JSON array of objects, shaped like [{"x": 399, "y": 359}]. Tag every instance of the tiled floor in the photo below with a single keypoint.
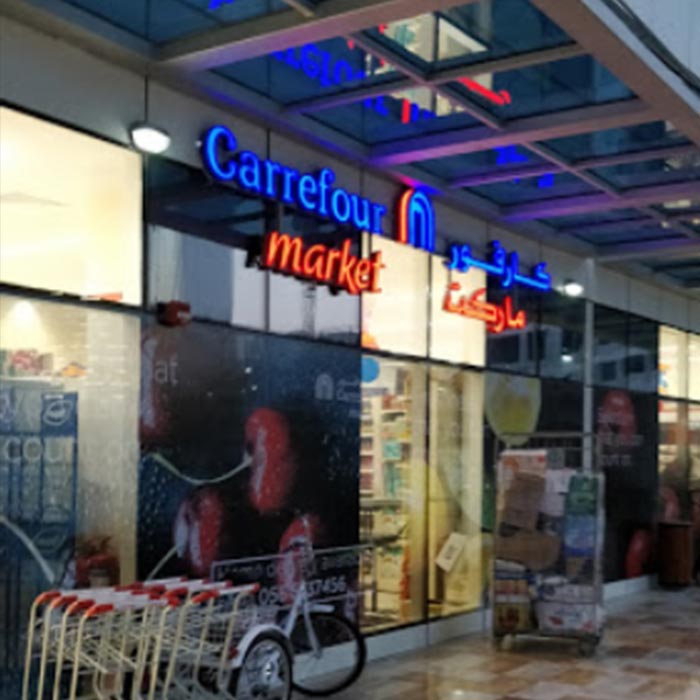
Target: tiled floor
[{"x": 650, "y": 651}]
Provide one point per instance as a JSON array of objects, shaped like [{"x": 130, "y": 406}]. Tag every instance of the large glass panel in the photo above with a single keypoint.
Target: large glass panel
[
  {"x": 627, "y": 432},
  {"x": 643, "y": 354},
  {"x": 305, "y": 308},
  {"x": 393, "y": 490},
  {"x": 164, "y": 20},
  {"x": 694, "y": 366},
  {"x": 561, "y": 336},
  {"x": 454, "y": 337},
  {"x": 500, "y": 159},
  {"x": 610, "y": 347},
  {"x": 661, "y": 171},
  {"x": 202, "y": 241},
  {"x": 69, "y": 396},
  {"x": 396, "y": 319},
  {"x": 455, "y": 476},
  {"x": 673, "y": 362},
  {"x": 544, "y": 88},
  {"x": 627, "y": 235},
  {"x": 472, "y": 32},
  {"x": 581, "y": 221},
  {"x": 71, "y": 211},
  {"x": 532, "y": 189},
  {"x": 674, "y": 461},
  {"x": 395, "y": 116},
  {"x": 629, "y": 139},
  {"x": 312, "y": 70},
  {"x": 515, "y": 349}
]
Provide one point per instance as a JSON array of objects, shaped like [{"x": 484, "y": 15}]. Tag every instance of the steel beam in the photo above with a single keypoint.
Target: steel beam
[
  {"x": 635, "y": 156},
  {"x": 506, "y": 63},
  {"x": 604, "y": 35},
  {"x": 260, "y": 36},
  {"x": 316, "y": 104},
  {"x": 564, "y": 206},
  {"x": 518, "y": 131},
  {"x": 487, "y": 177}
]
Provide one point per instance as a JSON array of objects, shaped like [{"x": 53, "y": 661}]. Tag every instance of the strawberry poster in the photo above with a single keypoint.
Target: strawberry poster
[{"x": 248, "y": 441}]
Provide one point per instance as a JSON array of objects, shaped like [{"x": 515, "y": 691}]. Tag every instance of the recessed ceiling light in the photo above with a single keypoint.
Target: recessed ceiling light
[
  {"x": 149, "y": 138},
  {"x": 567, "y": 359}
]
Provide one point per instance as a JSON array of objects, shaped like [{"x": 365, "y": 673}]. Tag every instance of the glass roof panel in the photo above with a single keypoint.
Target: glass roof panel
[
  {"x": 653, "y": 172},
  {"x": 629, "y": 139},
  {"x": 495, "y": 160},
  {"x": 548, "y": 87},
  {"x": 164, "y": 20},
  {"x": 394, "y": 117},
  {"x": 647, "y": 233},
  {"x": 563, "y": 223},
  {"x": 551, "y": 186},
  {"x": 469, "y": 33},
  {"x": 312, "y": 70}
]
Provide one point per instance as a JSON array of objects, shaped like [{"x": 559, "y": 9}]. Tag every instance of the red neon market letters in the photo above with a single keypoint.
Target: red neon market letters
[{"x": 336, "y": 268}]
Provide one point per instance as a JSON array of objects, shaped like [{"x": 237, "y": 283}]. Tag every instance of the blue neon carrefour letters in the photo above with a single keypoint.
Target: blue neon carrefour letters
[{"x": 312, "y": 192}]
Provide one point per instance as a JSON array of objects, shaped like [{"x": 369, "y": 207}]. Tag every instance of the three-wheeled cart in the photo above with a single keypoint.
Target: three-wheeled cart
[{"x": 548, "y": 539}]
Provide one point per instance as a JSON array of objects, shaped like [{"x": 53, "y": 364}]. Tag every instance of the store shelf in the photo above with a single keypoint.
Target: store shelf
[{"x": 369, "y": 503}]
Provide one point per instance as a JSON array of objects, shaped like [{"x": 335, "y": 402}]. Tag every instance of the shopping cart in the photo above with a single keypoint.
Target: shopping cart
[{"x": 165, "y": 640}]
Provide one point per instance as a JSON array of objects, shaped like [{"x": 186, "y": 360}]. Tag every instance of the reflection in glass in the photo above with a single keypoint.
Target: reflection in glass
[
  {"x": 69, "y": 388},
  {"x": 694, "y": 366},
  {"x": 673, "y": 460},
  {"x": 561, "y": 336},
  {"x": 456, "y": 576},
  {"x": 610, "y": 347},
  {"x": 392, "y": 490}
]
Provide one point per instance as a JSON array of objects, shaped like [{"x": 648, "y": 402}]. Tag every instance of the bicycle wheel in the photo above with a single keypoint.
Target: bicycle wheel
[
  {"x": 266, "y": 671},
  {"x": 327, "y": 658}
]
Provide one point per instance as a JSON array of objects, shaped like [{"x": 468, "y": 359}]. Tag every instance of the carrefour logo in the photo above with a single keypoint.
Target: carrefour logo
[{"x": 416, "y": 220}]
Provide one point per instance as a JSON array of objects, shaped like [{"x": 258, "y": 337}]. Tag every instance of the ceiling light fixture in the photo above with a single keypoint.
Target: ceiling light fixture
[
  {"x": 572, "y": 288},
  {"x": 148, "y": 138}
]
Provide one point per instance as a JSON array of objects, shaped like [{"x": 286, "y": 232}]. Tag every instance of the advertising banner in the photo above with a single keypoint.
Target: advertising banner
[{"x": 249, "y": 444}]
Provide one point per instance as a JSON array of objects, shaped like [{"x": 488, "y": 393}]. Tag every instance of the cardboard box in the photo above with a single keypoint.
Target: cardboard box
[
  {"x": 535, "y": 550},
  {"x": 522, "y": 501}
]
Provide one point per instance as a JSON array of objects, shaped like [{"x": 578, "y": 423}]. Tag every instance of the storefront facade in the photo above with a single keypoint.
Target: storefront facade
[{"x": 355, "y": 400}]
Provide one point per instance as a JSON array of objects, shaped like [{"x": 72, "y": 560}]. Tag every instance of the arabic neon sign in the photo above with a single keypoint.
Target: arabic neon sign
[
  {"x": 501, "y": 264},
  {"x": 497, "y": 317},
  {"x": 338, "y": 268},
  {"x": 311, "y": 192}
]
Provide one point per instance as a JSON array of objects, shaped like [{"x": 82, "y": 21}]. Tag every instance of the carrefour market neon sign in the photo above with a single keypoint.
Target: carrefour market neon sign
[{"x": 315, "y": 193}]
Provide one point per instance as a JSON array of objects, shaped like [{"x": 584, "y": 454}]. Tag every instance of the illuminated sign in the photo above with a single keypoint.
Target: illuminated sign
[
  {"x": 335, "y": 267},
  {"x": 416, "y": 220},
  {"x": 501, "y": 264},
  {"x": 498, "y": 318},
  {"x": 311, "y": 192}
]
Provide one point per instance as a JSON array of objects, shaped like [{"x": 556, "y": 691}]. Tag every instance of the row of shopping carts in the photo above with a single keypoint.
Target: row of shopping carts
[{"x": 172, "y": 638}]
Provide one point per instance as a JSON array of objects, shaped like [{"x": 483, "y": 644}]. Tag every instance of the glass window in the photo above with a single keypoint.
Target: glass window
[
  {"x": 214, "y": 279},
  {"x": 694, "y": 366},
  {"x": 69, "y": 396},
  {"x": 392, "y": 490},
  {"x": 530, "y": 189},
  {"x": 71, "y": 211},
  {"x": 455, "y": 479},
  {"x": 561, "y": 336},
  {"x": 673, "y": 460},
  {"x": 610, "y": 347},
  {"x": 515, "y": 350},
  {"x": 396, "y": 318},
  {"x": 673, "y": 362},
  {"x": 201, "y": 241},
  {"x": 453, "y": 337},
  {"x": 660, "y": 171},
  {"x": 643, "y": 354}
]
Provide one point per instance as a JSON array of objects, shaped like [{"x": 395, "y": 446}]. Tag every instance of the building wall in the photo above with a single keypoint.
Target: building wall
[{"x": 47, "y": 75}]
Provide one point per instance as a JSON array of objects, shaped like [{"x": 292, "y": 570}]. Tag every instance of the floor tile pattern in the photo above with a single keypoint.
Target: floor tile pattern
[{"x": 650, "y": 651}]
